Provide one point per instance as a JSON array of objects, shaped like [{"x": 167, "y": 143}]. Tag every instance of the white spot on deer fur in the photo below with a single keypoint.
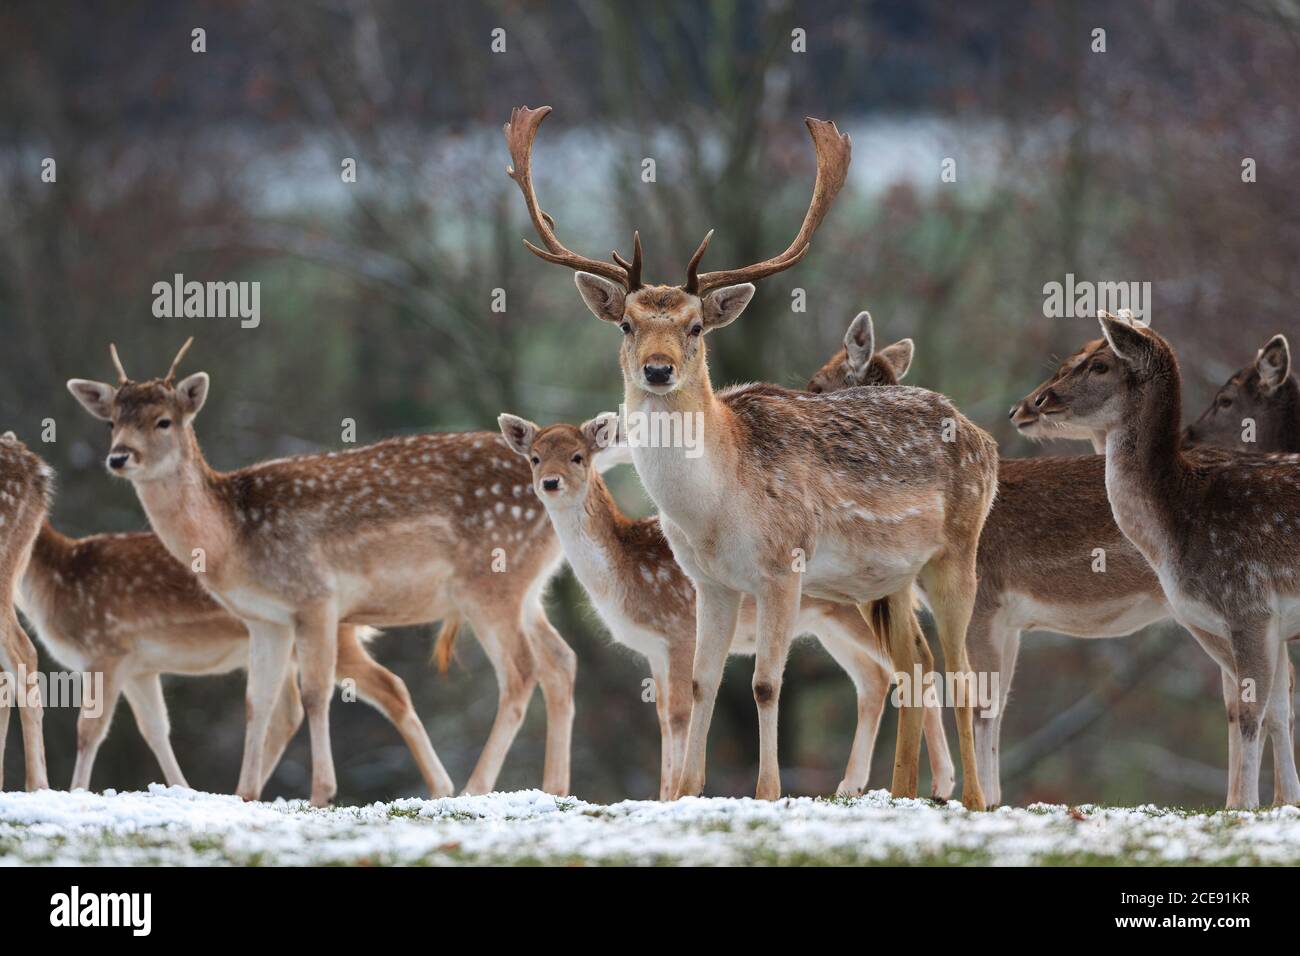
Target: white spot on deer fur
[
  {"x": 496, "y": 488},
  {"x": 479, "y": 492},
  {"x": 516, "y": 511}
]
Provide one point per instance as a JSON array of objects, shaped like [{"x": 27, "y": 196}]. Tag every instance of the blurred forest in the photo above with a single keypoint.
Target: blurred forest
[{"x": 376, "y": 296}]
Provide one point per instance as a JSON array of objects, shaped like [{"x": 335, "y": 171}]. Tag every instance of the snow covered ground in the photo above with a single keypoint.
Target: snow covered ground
[{"x": 174, "y": 826}]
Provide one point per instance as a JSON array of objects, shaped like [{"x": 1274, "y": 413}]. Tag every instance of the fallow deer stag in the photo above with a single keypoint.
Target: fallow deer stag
[
  {"x": 121, "y": 606},
  {"x": 648, "y": 603},
  {"x": 402, "y": 532},
  {"x": 1036, "y": 564},
  {"x": 1218, "y": 528},
  {"x": 847, "y": 497},
  {"x": 26, "y": 485}
]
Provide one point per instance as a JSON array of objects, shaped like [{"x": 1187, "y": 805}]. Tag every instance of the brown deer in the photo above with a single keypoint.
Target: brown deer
[
  {"x": 1218, "y": 528},
  {"x": 1127, "y": 596},
  {"x": 1257, "y": 409},
  {"x": 405, "y": 531},
  {"x": 26, "y": 486},
  {"x": 1037, "y": 564},
  {"x": 648, "y": 603},
  {"x": 121, "y": 606},
  {"x": 848, "y": 497}
]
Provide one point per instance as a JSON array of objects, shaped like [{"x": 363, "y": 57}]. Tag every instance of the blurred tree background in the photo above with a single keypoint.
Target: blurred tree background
[{"x": 376, "y": 295}]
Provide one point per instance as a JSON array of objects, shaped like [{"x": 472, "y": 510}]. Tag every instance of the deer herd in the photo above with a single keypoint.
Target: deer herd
[{"x": 834, "y": 511}]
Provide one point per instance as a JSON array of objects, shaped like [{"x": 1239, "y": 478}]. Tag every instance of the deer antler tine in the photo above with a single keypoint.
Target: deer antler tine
[
  {"x": 834, "y": 152},
  {"x": 171, "y": 372},
  {"x": 520, "y": 132},
  {"x": 122, "y": 377},
  {"x": 692, "y": 277}
]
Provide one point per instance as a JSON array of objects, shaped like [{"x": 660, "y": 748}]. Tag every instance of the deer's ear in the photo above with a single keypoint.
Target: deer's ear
[
  {"x": 604, "y": 298},
  {"x": 723, "y": 306},
  {"x": 95, "y": 397},
  {"x": 518, "y": 432},
  {"x": 1129, "y": 343},
  {"x": 192, "y": 391},
  {"x": 860, "y": 343},
  {"x": 1274, "y": 363},
  {"x": 898, "y": 357},
  {"x": 602, "y": 431}
]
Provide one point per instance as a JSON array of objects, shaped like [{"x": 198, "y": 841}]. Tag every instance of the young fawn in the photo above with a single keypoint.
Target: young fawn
[
  {"x": 648, "y": 603},
  {"x": 121, "y": 606},
  {"x": 406, "y": 531},
  {"x": 1218, "y": 528},
  {"x": 1049, "y": 581},
  {"x": 849, "y": 497},
  {"x": 26, "y": 485}
]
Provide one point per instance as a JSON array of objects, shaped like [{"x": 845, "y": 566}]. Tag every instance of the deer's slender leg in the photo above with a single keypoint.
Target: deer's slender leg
[
  {"x": 659, "y": 673},
  {"x": 992, "y": 647},
  {"x": 512, "y": 661},
  {"x": 1286, "y": 785},
  {"x": 892, "y": 617},
  {"x": 383, "y": 689},
  {"x": 1255, "y": 662},
  {"x": 317, "y": 634},
  {"x": 1232, "y": 707},
  {"x": 871, "y": 682},
  {"x": 681, "y": 665},
  {"x": 951, "y": 585},
  {"x": 145, "y": 696},
  {"x": 284, "y": 724},
  {"x": 716, "y": 611},
  {"x": 22, "y": 660},
  {"x": 557, "y": 668},
  {"x": 269, "y": 649},
  {"x": 778, "y": 608},
  {"x": 92, "y": 727},
  {"x": 943, "y": 775}
]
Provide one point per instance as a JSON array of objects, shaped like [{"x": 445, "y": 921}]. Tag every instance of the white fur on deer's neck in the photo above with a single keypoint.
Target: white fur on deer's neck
[
  {"x": 1131, "y": 496},
  {"x": 690, "y": 492},
  {"x": 186, "y": 514}
]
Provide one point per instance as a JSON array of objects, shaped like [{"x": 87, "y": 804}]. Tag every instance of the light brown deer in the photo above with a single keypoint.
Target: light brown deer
[
  {"x": 1038, "y": 570},
  {"x": 648, "y": 603},
  {"x": 1218, "y": 528},
  {"x": 405, "y": 531},
  {"x": 26, "y": 485},
  {"x": 847, "y": 497},
  {"x": 121, "y": 606}
]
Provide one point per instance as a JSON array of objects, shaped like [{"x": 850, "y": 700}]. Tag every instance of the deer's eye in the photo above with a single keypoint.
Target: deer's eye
[
  {"x": 815, "y": 389},
  {"x": 163, "y": 424},
  {"x": 627, "y": 329},
  {"x": 696, "y": 330},
  {"x": 1099, "y": 367},
  {"x": 1225, "y": 401},
  {"x": 535, "y": 460},
  {"x": 577, "y": 459}
]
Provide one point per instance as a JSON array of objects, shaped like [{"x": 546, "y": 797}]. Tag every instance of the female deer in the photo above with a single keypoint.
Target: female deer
[{"x": 1218, "y": 528}]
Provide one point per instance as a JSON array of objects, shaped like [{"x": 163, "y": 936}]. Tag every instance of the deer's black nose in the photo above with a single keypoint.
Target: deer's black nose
[
  {"x": 118, "y": 462},
  {"x": 658, "y": 374},
  {"x": 550, "y": 484},
  {"x": 1012, "y": 413}
]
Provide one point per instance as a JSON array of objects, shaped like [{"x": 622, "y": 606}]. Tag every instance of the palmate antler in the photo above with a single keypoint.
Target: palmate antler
[
  {"x": 520, "y": 133},
  {"x": 834, "y": 152}
]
